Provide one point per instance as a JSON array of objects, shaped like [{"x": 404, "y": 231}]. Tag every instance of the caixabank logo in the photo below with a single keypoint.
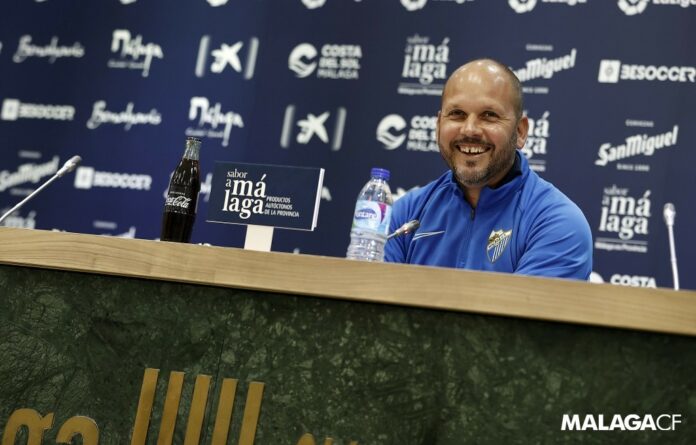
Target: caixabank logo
[
  {"x": 522, "y": 6},
  {"x": 634, "y": 7},
  {"x": 52, "y": 51},
  {"x": 133, "y": 53},
  {"x": 327, "y": 61},
  {"x": 213, "y": 122},
  {"x": 537, "y": 140},
  {"x": 624, "y": 220},
  {"x": 419, "y": 133},
  {"x": 631, "y": 154},
  {"x": 425, "y": 66},
  {"x": 312, "y": 127},
  {"x": 612, "y": 71},
  {"x": 228, "y": 57}
]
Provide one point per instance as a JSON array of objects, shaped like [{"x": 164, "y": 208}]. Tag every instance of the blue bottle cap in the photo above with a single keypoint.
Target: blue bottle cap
[{"x": 380, "y": 173}]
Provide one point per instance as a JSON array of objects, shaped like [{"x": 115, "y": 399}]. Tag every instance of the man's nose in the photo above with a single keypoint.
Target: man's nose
[{"x": 470, "y": 127}]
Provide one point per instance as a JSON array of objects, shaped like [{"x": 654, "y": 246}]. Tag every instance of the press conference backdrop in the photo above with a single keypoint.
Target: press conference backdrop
[{"x": 610, "y": 88}]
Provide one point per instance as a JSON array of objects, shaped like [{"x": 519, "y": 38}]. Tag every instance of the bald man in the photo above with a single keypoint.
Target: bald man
[{"x": 490, "y": 211}]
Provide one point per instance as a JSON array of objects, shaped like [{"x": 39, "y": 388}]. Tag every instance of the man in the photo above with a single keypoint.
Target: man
[{"x": 490, "y": 212}]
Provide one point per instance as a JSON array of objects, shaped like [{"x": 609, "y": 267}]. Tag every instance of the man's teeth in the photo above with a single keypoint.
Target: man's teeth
[{"x": 472, "y": 150}]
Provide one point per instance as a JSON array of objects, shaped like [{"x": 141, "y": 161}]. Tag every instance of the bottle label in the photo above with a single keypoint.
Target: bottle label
[
  {"x": 373, "y": 216},
  {"x": 181, "y": 199}
]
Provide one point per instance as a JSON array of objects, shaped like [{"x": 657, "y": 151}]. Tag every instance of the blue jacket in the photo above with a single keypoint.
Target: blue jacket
[{"x": 525, "y": 226}]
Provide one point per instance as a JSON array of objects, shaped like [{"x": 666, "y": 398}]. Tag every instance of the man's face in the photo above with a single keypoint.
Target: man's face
[{"x": 477, "y": 128}]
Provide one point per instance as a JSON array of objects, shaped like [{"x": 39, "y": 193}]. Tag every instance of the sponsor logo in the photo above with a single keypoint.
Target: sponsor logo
[
  {"x": 497, "y": 242},
  {"x": 212, "y": 118},
  {"x": 631, "y": 422},
  {"x": 543, "y": 67},
  {"x": 313, "y": 4},
  {"x": 522, "y": 6},
  {"x": 27, "y": 173},
  {"x": 205, "y": 188},
  {"x": 87, "y": 178},
  {"x": 314, "y": 126},
  {"x": 336, "y": 61},
  {"x": 413, "y": 5},
  {"x": 15, "y": 219},
  {"x": 633, "y": 7},
  {"x": 420, "y": 235},
  {"x": 226, "y": 57},
  {"x": 622, "y": 219},
  {"x": 611, "y": 71},
  {"x": 13, "y": 109},
  {"x": 127, "y": 117},
  {"x": 420, "y": 132},
  {"x": 133, "y": 53},
  {"x": 535, "y": 147},
  {"x": 51, "y": 51},
  {"x": 425, "y": 66},
  {"x": 216, "y": 3},
  {"x": 636, "y": 145},
  {"x": 127, "y": 2},
  {"x": 625, "y": 280}
]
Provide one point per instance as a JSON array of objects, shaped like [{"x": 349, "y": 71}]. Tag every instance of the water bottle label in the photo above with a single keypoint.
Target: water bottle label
[{"x": 373, "y": 216}]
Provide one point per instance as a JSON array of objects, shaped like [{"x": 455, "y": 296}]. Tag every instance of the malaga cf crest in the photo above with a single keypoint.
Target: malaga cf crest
[{"x": 497, "y": 242}]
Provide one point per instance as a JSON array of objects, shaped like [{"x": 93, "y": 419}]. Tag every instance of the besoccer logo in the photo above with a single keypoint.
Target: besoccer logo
[
  {"x": 633, "y": 7},
  {"x": 313, "y": 4},
  {"x": 522, "y": 6},
  {"x": 413, "y": 5},
  {"x": 388, "y": 131},
  {"x": 609, "y": 71},
  {"x": 301, "y": 60}
]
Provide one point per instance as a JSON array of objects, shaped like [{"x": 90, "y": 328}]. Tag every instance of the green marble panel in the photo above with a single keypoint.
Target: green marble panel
[{"x": 78, "y": 344}]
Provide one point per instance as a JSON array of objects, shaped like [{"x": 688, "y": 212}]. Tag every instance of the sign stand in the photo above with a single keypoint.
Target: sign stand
[{"x": 258, "y": 238}]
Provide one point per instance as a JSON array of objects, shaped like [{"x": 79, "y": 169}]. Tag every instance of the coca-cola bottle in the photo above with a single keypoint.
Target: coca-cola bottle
[{"x": 182, "y": 196}]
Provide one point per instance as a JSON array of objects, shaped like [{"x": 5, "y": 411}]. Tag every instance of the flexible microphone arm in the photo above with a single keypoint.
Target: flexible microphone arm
[
  {"x": 69, "y": 166},
  {"x": 406, "y": 228},
  {"x": 670, "y": 214}
]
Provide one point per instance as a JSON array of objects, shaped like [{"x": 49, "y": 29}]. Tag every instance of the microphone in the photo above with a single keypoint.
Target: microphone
[
  {"x": 69, "y": 166},
  {"x": 669, "y": 213},
  {"x": 406, "y": 228}
]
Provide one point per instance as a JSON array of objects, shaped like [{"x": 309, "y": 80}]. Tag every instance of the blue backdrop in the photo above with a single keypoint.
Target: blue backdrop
[{"x": 347, "y": 85}]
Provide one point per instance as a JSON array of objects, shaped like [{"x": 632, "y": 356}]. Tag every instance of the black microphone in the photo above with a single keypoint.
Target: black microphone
[
  {"x": 669, "y": 213},
  {"x": 406, "y": 228},
  {"x": 69, "y": 166}
]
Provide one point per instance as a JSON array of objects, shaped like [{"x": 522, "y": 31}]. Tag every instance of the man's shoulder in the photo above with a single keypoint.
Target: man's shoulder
[
  {"x": 542, "y": 198},
  {"x": 419, "y": 195}
]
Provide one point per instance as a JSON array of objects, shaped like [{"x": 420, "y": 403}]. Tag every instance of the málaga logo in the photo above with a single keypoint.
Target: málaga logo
[
  {"x": 336, "y": 61},
  {"x": 210, "y": 118},
  {"x": 624, "y": 217},
  {"x": 133, "y": 53},
  {"x": 633, "y": 7},
  {"x": 425, "y": 66},
  {"x": 497, "y": 242},
  {"x": 535, "y": 147}
]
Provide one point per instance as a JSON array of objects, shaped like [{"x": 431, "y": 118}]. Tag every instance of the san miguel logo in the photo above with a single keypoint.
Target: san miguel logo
[
  {"x": 497, "y": 242},
  {"x": 85, "y": 427}
]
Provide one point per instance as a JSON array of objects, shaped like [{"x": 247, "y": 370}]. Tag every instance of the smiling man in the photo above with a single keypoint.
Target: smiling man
[{"x": 490, "y": 211}]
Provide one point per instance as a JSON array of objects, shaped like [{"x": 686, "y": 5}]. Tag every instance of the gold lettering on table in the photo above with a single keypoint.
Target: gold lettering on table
[
  {"x": 84, "y": 426},
  {"x": 224, "y": 412},
  {"x": 197, "y": 412},
  {"x": 171, "y": 408},
  {"x": 147, "y": 398},
  {"x": 196, "y": 416},
  {"x": 35, "y": 423},
  {"x": 252, "y": 409}
]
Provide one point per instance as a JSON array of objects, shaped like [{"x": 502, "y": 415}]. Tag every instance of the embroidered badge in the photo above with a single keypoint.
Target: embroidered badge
[{"x": 497, "y": 242}]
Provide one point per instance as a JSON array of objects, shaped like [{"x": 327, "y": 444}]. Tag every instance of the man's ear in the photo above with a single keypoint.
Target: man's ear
[
  {"x": 521, "y": 130},
  {"x": 437, "y": 127}
]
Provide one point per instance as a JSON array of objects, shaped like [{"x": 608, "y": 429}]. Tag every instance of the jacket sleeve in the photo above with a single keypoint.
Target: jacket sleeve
[{"x": 559, "y": 245}]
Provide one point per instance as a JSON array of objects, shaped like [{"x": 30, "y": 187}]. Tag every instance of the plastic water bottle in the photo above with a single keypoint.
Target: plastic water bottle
[{"x": 371, "y": 219}]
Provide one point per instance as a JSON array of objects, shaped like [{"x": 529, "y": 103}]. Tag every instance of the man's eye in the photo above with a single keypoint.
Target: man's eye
[
  {"x": 455, "y": 113},
  {"x": 489, "y": 114}
]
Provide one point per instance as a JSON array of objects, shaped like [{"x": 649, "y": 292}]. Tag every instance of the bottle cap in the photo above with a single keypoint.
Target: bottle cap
[{"x": 380, "y": 173}]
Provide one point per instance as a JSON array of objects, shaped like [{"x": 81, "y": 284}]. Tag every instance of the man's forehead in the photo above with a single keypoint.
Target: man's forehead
[{"x": 479, "y": 78}]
